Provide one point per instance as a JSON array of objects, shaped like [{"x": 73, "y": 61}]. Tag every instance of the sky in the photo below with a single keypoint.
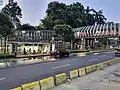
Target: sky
[{"x": 34, "y": 10}]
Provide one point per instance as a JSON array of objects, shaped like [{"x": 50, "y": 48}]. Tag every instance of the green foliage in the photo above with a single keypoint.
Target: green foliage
[
  {"x": 6, "y": 27},
  {"x": 56, "y": 14},
  {"x": 14, "y": 11},
  {"x": 99, "y": 17},
  {"x": 74, "y": 15},
  {"x": 41, "y": 26},
  {"x": 65, "y": 31},
  {"x": 6, "y": 55},
  {"x": 26, "y": 27}
]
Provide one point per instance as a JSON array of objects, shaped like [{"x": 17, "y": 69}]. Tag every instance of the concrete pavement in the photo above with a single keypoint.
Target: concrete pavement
[
  {"x": 13, "y": 77},
  {"x": 106, "y": 79}
]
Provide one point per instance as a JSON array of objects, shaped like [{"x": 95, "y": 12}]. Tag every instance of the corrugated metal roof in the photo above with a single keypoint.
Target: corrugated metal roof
[{"x": 102, "y": 28}]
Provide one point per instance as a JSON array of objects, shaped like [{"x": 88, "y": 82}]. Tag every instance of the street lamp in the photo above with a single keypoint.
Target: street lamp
[{"x": 53, "y": 44}]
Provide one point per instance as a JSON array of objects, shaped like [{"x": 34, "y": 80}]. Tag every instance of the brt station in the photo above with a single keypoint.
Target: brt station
[
  {"x": 88, "y": 37},
  {"x": 30, "y": 42},
  {"x": 33, "y": 42}
]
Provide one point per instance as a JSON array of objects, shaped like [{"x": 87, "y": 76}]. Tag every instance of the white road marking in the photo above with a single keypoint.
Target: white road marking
[
  {"x": 61, "y": 66},
  {"x": 107, "y": 52},
  {"x": 102, "y": 55},
  {"x": 95, "y": 53},
  {"x": 2, "y": 79},
  {"x": 92, "y": 60}
]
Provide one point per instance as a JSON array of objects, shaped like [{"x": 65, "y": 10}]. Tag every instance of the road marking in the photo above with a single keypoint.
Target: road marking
[
  {"x": 2, "y": 79},
  {"x": 103, "y": 56},
  {"x": 61, "y": 66},
  {"x": 92, "y": 60},
  {"x": 95, "y": 53}
]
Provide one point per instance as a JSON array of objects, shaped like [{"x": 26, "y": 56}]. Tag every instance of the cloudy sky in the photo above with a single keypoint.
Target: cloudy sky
[{"x": 34, "y": 10}]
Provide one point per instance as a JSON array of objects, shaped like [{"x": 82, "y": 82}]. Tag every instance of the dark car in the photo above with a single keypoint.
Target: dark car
[
  {"x": 61, "y": 53},
  {"x": 117, "y": 53}
]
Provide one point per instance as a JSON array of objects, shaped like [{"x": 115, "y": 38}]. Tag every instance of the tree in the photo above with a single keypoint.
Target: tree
[
  {"x": 75, "y": 15},
  {"x": 99, "y": 17},
  {"x": 65, "y": 31},
  {"x": 40, "y": 27},
  {"x": 14, "y": 11},
  {"x": 26, "y": 27},
  {"x": 56, "y": 14},
  {"x": 6, "y": 27},
  {"x": 90, "y": 20}
]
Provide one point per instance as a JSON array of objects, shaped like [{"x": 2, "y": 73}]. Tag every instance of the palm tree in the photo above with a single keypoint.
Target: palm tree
[
  {"x": 88, "y": 16},
  {"x": 88, "y": 10},
  {"x": 99, "y": 17}
]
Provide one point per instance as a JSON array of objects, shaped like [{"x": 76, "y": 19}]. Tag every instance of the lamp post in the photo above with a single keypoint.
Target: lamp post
[{"x": 53, "y": 44}]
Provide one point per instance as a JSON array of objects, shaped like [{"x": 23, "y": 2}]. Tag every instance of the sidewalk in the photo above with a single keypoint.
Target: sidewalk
[{"x": 107, "y": 79}]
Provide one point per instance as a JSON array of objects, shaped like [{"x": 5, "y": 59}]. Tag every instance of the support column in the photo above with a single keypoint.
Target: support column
[
  {"x": 88, "y": 43},
  {"x": 82, "y": 43},
  {"x": 33, "y": 48},
  {"x": 10, "y": 46},
  {"x": 93, "y": 43}
]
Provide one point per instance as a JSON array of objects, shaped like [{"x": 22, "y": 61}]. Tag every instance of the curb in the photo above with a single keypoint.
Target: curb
[{"x": 59, "y": 79}]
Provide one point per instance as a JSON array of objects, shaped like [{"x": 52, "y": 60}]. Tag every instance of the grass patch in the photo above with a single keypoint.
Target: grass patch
[{"x": 6, "y": 55}]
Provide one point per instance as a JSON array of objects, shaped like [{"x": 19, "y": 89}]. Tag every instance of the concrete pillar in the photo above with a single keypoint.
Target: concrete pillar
[
  {"x": 22, "y": 48},
  {"x": 88, "y": 43},
  {"x": 33, "y": 48},
  {"x": 91, "y": 41},
  {"x": 82, "y": 43},
  {"x": 11, "y": 48}
]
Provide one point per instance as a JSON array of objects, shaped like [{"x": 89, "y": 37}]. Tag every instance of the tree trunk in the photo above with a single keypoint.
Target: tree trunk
[{"x": 5, "y": 45}]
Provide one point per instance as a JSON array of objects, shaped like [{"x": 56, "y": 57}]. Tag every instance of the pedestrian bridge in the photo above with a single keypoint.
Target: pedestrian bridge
[{"x": 98, "y": 31}]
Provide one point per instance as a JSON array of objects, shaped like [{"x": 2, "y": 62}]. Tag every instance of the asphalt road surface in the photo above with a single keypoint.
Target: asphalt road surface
[{"x": 14, "y": 77}]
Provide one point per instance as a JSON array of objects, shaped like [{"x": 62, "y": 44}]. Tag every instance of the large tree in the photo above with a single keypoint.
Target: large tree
[
  {"x": 65, "y": 31},
  {"x": 14, "y": 11},
  {"x": 56, "y": 14},
  {"x": 6, "y": 27},
  {"x": 75, "y": 15}
]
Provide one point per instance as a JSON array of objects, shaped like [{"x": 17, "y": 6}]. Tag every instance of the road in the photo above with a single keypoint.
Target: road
[{"x": 13, "y": 77}]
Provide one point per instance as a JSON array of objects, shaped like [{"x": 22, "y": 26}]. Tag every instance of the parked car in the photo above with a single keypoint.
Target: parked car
[{"x": 117, "y": 52}]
